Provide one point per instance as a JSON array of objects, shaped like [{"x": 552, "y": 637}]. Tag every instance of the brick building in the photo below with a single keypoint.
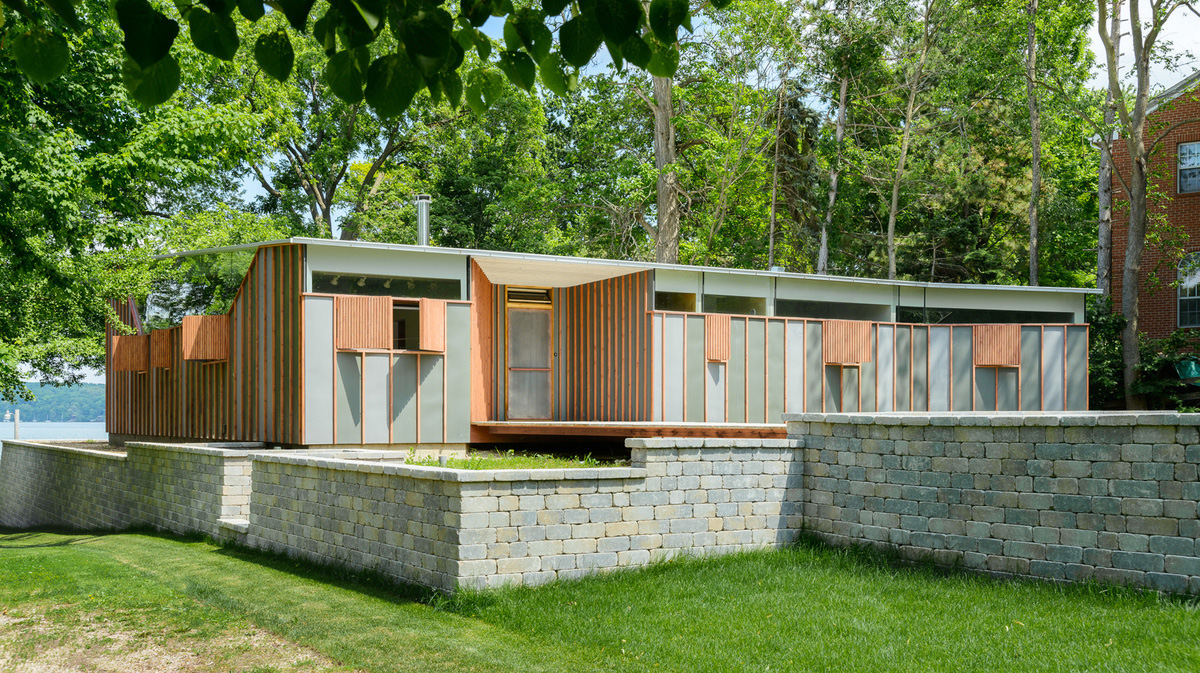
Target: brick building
[{"x": 1175, "y": 172}]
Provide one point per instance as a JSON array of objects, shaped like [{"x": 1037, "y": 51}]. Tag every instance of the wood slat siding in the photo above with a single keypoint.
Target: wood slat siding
[
  {"x": 432, "y": 325},
  {"x": 161, "y": 354},
  {"x": 364, "y": 322},
  {"x": 846, "y": 342},
  {"x": 606, "y": 364},
  {"x": 131, "y": 353},
  {"x": 716, "y": 338},
  {"x": 482, "y": 373},
  {"x": 997, "y": 345},
  {"x": 251, "y": 394},
  {"x": 205, "y": 337}
]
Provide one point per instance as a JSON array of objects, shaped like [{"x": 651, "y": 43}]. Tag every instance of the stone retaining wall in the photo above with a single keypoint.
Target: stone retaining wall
[
  {"x": 447, "y": 528},
  {"x": 183, "y": 489},
  {"x": 1111, "y": 497}
]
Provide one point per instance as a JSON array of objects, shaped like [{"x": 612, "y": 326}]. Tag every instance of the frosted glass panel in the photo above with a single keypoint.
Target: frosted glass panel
[
  {"x": 528, "y": 338},
  {"x": 529, "y": 394},
  {"x": 885, "y": 374},
  {"x": 939, "y": 368}
]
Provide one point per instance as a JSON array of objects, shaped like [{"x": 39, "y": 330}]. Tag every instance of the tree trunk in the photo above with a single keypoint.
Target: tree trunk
[
  {"x": 1035, "y": 138},
  {"x": 894, "y": 206},
  {"x": 1104, "y": 186},
  {"x": 666, "y": 243},
  {"x": 775, "y": 177},
  {"x": 1131, "y": 276},
  {"x": 835, "y": 171}
]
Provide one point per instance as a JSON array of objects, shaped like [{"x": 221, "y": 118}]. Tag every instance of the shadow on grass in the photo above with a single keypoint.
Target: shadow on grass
[{"x": 30, "y": 538}]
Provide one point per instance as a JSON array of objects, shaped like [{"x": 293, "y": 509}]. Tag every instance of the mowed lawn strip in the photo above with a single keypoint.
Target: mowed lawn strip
[
  {"x": 808, "y": 608},
  {"x": 813, "y": 608},
  {"x": 361, "y": 626}
]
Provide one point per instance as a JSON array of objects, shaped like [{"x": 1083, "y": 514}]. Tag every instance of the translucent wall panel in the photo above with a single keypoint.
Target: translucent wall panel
[
  {"x": 715, "y": 393},
  {"x": 735, "y": 372},
  {"x": 795, "y": 366},
  {"x": 1031, "y": 368},
  {"x": 349, "y": 399},
  {"x": 1052, "y": 368},
  {"x": 939, "y": 369},
  {"x": 885, "y": 375},
  {"x": 376, "y": 398}
]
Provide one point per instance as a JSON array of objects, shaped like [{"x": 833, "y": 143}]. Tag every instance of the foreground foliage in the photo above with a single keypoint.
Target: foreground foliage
[{"x": 807, "y": 608}]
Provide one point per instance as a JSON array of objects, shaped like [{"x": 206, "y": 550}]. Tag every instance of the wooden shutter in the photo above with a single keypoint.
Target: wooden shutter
[
  {"x": 363, "y": 322},
  {"x": 433, "y": 325},
  {"x": 716, "y": 338},
  {"x": 846, "y": 342},
  {"x": 205, "y": 337},
  {"x": 997, "y": 345},
  {"x": 130, "y": 353},
  {"x": 161, "y": 354}
]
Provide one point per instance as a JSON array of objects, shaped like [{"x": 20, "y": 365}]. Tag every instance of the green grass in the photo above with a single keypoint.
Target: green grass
[
  {"x": 511, "y": 460},
  {"x": 808, "y": 608}
]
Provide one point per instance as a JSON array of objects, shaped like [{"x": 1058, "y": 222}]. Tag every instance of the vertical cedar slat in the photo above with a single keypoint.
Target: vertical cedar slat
[
  {"x": 716, "y": 338},
  {"x": 364, "y": 322},
  {"x": 997, "y": 345},
  {"x": 432, "y": 325},
  {"x": 846, "y": 342}
]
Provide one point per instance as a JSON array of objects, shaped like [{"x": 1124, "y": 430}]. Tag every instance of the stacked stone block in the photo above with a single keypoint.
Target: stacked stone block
[
  {"x": 43, "y": 485},
  {"x": 1070, "y": 497},
  {"x": 188, "y": 488},
  {"x": 449, "y": 528}
]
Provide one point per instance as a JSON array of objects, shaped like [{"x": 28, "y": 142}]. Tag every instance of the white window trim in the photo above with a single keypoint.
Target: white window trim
[
  {"x": 1179, "y": 294},
  {"x": 1179, "y": 167}
]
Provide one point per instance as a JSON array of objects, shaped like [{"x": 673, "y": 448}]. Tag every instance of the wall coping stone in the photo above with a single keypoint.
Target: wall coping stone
[
  {"x": 112, "y": 455},
  {"x": 711, "y": 442},
  {"x": 453, "y": 474},
  {"x": 191, "y": 448},
  {"x": 959, "y": 418}
]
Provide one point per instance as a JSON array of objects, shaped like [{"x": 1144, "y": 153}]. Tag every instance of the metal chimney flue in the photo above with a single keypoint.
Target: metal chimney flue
[{"x": 423, "y": 201}]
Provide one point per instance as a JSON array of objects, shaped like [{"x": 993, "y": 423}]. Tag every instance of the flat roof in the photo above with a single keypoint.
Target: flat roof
[{"x": 611, "y": 267}]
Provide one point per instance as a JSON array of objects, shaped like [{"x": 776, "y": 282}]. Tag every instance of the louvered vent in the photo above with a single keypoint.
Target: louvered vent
[{"x": 529, "y": 295}]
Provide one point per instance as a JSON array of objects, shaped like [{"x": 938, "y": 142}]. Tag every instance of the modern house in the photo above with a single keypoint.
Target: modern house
[
  {"x": 1174, "y": 173},
  {"x": 346, "y": 343}
]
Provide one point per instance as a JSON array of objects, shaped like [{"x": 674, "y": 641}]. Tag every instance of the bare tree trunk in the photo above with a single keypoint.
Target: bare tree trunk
[
  {"x": 775, "y": 177},
  {"x": 666, "y": 243},
  {"x": 1035, "y": 138},
  {"x": 1131, "y": 277},
  {"x": 897, "y": 178},
  {"x": 1104, "y": 186},
  {"x": 835, "y": 172}
]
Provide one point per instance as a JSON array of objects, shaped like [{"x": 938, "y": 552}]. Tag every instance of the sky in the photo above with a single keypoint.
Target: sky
[{"x": 1182, "y": 29}]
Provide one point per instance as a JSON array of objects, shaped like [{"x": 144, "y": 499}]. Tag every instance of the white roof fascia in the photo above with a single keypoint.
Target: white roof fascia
[{"x": 632, "y": 265}]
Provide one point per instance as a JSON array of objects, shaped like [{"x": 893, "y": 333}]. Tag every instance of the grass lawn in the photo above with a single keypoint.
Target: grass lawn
[
  {"x": 511, "y": 460},
  {"x": 806, "y": 609}
]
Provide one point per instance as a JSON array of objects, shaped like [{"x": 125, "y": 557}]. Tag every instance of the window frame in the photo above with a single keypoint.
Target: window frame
[
  {"x": 1179, "y": 167},
  {"x": 1181, "y": 289}
]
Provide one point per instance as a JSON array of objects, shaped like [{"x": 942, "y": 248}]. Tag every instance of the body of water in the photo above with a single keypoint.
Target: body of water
[{"x": 34, "y": 430}]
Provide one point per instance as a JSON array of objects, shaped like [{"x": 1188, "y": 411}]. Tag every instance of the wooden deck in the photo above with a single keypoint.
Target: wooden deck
[{"x": 508, "y": 431}]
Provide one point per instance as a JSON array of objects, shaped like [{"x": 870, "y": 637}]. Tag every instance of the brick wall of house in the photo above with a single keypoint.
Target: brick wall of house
[{"x": 1158, "y": 314}]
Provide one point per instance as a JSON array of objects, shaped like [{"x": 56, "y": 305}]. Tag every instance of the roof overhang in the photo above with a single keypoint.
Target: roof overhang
[{"x": 548, "y": 273}]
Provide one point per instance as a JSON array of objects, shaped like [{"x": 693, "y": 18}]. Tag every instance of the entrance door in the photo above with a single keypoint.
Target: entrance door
[{"x": 529, "y": 353}]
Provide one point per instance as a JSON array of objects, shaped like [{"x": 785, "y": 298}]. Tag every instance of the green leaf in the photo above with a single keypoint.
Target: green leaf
[
  {"x": 535, "y": 36},
  {"x": 580, "y": 38},
  {"x": 665, "y": 61},
  {"x": 452, "y": 83},
  {"x": 554, "y": 7},
  {"x": 372, "y": 12},
  {"x": 519, "y": 68},
  {"x": 392, "y": 81},
  {"x": 40, "y": 55},
  {"x": 213, "y": 34},
  {"x": 721, "y": 4},
  {"x": 665, "y": 18},
  {"x": 618, "y": 19},
  {"x": 66, "y": 10},
  {"x": 325, "y": 32},
  {"x": 251, "y": 9},
  {"x": 297, "y": 12},
  {"x": 494, "y": 87},
  {"x": 636, "y": 51},
  {"x": 465, "y": 37},
  {"x": 512, "y": 39},
  {"x": 148, "y": 34},
  {"x": 153, "y": 85},
  {"x": 552, "y": 74},
  {"x": 428, "y": 40},
  {"x": 614, "y": 51},
  {"x": 475, "y": 99},
  {"x": 344, "y": 74},
  {"x": 273, "y": 53},
  {"x": 483, "y": 45},
  {"x": 21, "y": 8},
  {"x": 476, "y": 11}
]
